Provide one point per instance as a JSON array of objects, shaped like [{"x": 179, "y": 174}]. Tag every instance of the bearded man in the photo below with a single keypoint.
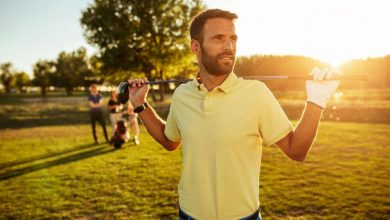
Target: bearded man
[{"x": 221, "y": 122}]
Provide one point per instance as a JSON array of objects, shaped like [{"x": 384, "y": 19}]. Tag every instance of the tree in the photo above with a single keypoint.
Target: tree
[
  {"x": 96, "y": 75},
  {"x": 7, "y": 76},
  {"x": 43, "y": 72},
  {"x": 22, "y": 79},
  {"x": 72, "y": 70},
  {"x": 140, "y": 36}
]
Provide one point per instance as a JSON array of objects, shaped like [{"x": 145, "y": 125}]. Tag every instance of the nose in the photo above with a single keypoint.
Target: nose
[{"x": 229, "y": 45}]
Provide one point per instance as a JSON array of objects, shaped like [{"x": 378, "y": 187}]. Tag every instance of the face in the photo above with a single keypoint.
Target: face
[
  {"x": 93, "y": 90},
  {"x": 216, "y": 55}
]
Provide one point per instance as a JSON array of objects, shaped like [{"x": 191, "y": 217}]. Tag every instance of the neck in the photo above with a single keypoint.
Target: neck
[{"x": 211, "y": 81}]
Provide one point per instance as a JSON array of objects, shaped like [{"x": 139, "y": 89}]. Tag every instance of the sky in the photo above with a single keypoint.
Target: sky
[{"x": 330, "y": 30}]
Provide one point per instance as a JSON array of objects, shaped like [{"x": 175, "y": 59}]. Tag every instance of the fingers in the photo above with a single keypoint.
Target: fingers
[
  {"x": 321, "y": 74},
  {"x": 314, "y": 71},
  {"x": 324, "y": 74},
  {"x": 137, "y": 82},
  {"x": 332, "y": 74}
]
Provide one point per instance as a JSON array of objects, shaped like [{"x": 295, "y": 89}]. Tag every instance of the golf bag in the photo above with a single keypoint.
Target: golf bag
[{"x": 120, "y": 136}]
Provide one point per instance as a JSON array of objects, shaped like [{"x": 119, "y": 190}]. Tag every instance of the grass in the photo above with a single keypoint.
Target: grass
[
  {"x": 65, "y": 177},
  {"x": 49, "y": 168},
  {"x": 58, "y": 174},
  {"x": 346, "y": 176}
]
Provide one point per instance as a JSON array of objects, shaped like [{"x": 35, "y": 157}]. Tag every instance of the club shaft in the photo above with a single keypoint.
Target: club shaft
[
  {"x": 352, "y": 77},
  {"x": 168, "y": 81}
]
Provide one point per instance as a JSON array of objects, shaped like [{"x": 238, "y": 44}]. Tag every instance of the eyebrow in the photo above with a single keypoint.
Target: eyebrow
[{"x": 222, "y": 35}]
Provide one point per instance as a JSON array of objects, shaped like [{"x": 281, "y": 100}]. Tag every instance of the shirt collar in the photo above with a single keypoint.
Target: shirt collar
[
  {"x": 229, "y": 82},
  {"x": 225, "y": 87}
]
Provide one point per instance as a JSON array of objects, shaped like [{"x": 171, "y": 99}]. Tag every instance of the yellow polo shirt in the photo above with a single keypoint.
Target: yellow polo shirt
[{"x": 221, "y": 132}]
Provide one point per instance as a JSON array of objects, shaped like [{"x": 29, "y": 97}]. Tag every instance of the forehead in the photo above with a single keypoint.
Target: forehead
[{"x": 217, "y": 26}]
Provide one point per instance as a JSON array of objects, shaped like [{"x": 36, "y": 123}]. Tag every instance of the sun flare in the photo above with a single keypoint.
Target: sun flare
[{"x": 331, "y": 31}]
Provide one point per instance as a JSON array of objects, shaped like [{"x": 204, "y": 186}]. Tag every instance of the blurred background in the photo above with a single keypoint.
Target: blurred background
[{"x": 52, "y": 51}]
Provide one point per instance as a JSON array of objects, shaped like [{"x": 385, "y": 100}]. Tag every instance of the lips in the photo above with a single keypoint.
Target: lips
[{"x": 225, "y": 56}]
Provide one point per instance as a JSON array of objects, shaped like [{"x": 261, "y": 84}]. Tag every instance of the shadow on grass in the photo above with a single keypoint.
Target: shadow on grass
[
  {"x": 60, "y": 161},
  {"x": 45, "y": 156}
]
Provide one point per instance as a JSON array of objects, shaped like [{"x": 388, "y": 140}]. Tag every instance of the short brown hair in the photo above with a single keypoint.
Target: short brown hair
[{"x": 197, "y": 23}]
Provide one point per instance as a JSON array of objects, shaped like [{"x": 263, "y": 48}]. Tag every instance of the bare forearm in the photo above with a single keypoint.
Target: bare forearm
[
  {"x": 95, "y": 105},
  {"x": 305, "y": 132},
  {"x": 297, "y": 144},
  {"x": 155, "y": 126}
]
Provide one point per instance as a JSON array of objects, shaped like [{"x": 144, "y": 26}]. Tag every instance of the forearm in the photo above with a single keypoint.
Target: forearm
[
  {"x": 297, "y": 144},
  {"x": 155, "y": 126},
  {"x": 305, "y": 131},
  {"x": 95, "y": 105}
]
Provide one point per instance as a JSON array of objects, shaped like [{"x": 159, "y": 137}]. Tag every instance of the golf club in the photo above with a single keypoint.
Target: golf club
[{"x": 123, "y": 88}]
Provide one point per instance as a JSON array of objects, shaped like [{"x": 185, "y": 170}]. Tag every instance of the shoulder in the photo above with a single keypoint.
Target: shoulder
[
  {"x": 252, "y": 85},
  {"x": 183, "y": 90}
]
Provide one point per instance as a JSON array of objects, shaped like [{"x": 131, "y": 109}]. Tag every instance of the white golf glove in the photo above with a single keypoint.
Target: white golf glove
[{"x": 320, "y": 89}]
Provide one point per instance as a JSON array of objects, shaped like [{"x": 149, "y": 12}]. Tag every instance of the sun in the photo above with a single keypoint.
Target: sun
[
  {"x": 331, "y": 31},
  {"x": 335, "y": 60}
]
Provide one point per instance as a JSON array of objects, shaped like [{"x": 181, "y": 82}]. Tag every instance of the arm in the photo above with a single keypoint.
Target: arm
[
  {"x": 297, "y": 144},
  {"x": 153, "y": 123},
  {"x": 111, "y": 106},
  {"x": 155, "y": 126},
  {"x": 96, "y": 105}
]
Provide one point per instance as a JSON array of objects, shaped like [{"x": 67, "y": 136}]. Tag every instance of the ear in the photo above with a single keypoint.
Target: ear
[{"x": 195, "y": 47}]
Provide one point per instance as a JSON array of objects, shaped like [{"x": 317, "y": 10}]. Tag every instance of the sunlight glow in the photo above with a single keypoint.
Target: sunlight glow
[{"x": 331, "y": 31}]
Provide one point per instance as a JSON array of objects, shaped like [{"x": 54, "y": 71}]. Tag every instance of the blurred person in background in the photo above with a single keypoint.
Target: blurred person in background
[
  {"x": 114, "y": 108},
  {"x": 95, "y": 100}
]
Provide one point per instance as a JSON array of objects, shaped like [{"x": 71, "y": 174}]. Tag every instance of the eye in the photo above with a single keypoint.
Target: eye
[{"x": 218, "y": 37}]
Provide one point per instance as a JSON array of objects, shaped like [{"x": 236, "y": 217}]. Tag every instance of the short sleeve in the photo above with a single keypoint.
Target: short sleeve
[
  {"x": 171, "y": 129},
  {"x": 273, "y": 122}
]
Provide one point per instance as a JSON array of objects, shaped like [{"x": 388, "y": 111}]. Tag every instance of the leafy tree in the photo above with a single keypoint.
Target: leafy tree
[
  {"x": 96, "y": 75},
  {"x": 7, "y": 76},
  {"x": 43, "y": 72},
  {"x": 72, "y": 70},
  {"x": 140, "y": 37},
  {"x": 22, "y": 79}
]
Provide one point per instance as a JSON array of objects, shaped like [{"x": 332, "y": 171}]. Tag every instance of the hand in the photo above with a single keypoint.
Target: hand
[
  {"x": 318, "y": 90},
  {"x": 138, "y": 91}
]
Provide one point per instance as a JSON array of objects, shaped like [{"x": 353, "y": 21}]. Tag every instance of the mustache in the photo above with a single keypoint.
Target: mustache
[{"x": 225, "y": 54}]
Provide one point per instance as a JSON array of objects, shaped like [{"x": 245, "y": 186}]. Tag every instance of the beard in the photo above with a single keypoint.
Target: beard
[{"x": 214, "y": 66}]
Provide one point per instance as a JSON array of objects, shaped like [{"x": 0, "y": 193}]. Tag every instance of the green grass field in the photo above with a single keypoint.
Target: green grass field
[{"x": 49, "y": 169}]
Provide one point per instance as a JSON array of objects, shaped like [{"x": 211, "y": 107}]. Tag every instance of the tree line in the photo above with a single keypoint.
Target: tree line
[
  {"x": 75, "y": 69},
  {"x": 150, "y": 39},
  {"x": 377, "y": 70},
  {"x": 68, "y": 71}
]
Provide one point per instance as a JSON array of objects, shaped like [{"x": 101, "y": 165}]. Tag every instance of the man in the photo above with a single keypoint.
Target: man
[
  {"x": 95, "y": 101},
  {"x": 221, "y": 122}
]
